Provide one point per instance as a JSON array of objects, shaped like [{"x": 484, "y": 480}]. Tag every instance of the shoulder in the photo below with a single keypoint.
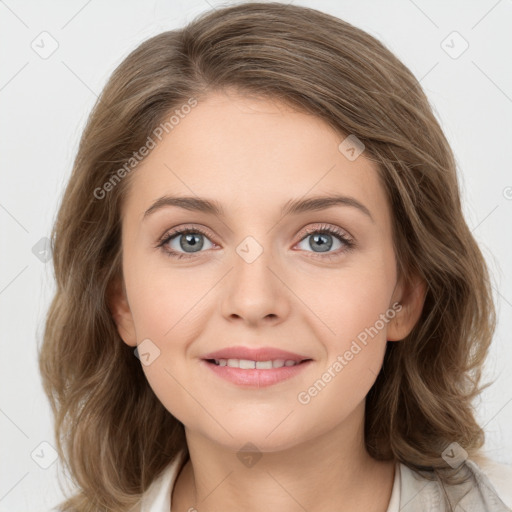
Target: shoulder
[{"x": 487, "y": 487}]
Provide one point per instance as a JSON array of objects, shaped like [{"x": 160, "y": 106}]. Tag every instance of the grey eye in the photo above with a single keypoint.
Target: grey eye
[
  {"x": 320, "y": 242},
  {"x": 188, "y": 242}
]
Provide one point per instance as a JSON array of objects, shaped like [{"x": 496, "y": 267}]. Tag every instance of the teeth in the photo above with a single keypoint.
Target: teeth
[{"x": 247, "y": 364}]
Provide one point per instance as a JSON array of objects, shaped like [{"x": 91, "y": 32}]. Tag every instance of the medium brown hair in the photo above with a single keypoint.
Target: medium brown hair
[{"x": 112, "y": 432}]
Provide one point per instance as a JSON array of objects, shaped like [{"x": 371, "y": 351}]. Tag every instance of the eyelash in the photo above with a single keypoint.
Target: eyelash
[{"x": 324, "y": 229}]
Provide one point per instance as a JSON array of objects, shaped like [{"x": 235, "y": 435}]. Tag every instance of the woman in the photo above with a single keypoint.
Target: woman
[{"x": 267, "y": 294}]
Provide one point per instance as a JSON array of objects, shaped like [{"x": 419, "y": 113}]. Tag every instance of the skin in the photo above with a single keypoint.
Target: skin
[{"x": 253, "y": 155}]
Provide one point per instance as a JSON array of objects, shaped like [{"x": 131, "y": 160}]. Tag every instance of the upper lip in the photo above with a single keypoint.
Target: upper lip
[{"x": 255, "y": 354}]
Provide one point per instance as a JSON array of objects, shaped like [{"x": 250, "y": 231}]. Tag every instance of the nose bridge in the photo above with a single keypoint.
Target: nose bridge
[
  {"x": 255, "y": 248},
  {"x": 252, "y": 260}
]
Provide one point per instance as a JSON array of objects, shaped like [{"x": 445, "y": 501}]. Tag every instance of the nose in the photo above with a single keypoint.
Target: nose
[{"x": 255, "y": 291}]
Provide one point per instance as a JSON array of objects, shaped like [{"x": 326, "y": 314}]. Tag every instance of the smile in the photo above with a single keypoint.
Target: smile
[
  {"x": 256, "y": 374},
  {"x": 248, "y": 364}
]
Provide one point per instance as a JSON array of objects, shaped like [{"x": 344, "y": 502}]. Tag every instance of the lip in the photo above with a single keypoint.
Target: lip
[
  {"x": 255, "y": 378},
  {"x": 255, "y": 354}
]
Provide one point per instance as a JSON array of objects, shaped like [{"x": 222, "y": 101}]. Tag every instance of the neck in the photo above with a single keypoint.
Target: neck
[{"x": 308, "y": 476}]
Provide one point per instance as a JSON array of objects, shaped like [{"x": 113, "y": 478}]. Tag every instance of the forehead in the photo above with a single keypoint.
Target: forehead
[{"x": 250, "y": 152}]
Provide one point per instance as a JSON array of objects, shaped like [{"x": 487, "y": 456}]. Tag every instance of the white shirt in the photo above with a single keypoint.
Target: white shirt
[{"x": 410, "y": 491}]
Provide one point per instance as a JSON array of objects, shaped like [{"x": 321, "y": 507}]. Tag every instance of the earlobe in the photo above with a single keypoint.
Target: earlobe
[
  {"x": 121, "y": 313},
  {"x": 412, "y": 300}
]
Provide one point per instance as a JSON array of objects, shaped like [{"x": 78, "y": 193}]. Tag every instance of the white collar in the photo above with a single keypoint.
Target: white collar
[
  {"x": 157, "y": 498},
  {"x": 410, "y": 490}
]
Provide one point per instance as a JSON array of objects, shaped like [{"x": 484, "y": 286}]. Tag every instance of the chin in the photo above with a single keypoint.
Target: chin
[{"x": 255, "y": 439}]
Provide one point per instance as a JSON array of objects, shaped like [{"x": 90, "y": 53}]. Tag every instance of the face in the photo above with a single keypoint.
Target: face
[{"x": 257, "y": 273}]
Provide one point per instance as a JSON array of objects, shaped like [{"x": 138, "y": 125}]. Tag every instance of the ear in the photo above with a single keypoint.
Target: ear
[
  {"x": 121, "y": 313},
  {"x": 411, "y": 297}
]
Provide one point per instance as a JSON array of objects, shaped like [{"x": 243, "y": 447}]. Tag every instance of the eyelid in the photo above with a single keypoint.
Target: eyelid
[
  {"x": 179, "y": 230},
  {"x": 331, "y": 229}
]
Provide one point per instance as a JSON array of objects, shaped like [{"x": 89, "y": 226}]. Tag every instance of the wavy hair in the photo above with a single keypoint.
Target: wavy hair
[{"x": 112, "y": 433}]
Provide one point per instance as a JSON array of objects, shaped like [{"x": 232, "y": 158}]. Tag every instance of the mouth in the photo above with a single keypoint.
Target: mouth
[
  {"x": 252, "y": 374},
  {"x": 249, "y": 364},
  {"x": 256, "y": 367},
  {"x": 229, "y": 356}
]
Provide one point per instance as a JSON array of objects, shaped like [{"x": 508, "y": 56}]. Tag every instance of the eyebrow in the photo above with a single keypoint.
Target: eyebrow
[{"x": 291, "y": 207}]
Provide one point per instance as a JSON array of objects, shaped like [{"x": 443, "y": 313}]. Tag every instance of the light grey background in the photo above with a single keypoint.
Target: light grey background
[{"x": 44, "y": 104}]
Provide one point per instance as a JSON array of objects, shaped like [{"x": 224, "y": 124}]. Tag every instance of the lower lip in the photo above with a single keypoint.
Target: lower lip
[{"x": 257, "y": 378}]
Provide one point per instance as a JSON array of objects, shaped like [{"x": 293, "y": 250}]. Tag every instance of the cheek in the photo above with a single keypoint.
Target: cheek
[
  {"x": 163, "y": 300},
  {"x": 357, "y": 314},
  {"x": 165, "y": 307},
  {"x": 348, "y": 302},
  {"x": 169, "y": 309}
]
